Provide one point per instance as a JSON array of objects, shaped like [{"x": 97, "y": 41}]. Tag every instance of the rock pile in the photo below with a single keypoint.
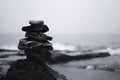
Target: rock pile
[
  {"x": 36, "y": 44},
  {"x": 37, "y": 49}
]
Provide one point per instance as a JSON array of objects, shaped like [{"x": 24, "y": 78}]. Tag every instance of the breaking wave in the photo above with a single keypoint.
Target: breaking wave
[
  {"x": 11, "y": 47},
  {"x": 68, "y": 49},
  {"x": 56, "y": 46},
  {"x": 111, "y": 51}
]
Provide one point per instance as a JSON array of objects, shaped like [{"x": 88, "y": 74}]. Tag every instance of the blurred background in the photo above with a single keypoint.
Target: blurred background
[{"x": 77, "y": 27}]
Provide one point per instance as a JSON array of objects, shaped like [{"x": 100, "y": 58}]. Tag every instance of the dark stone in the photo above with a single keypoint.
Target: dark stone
[
  {"x": 28, "y": 44},
  {"x": 63, "y": 58},
  {"x": 38, "y": 56},
  {"x": 36, "y": 22},
  {"x": 38, "y": 36},
  {"x": 26, "y": 70},
  {"x": 36, "y": 28}
]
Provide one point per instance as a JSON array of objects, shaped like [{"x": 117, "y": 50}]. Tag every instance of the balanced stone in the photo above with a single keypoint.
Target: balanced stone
[
  {"x": 38, "y": 36},
  {"x": 36, "y": 28},
  {"x": 37, "y": 49},
  {"x": 36, "y": 22},
  {"x": 38, "y": 56},
  {"x": 28, "y": 44}
]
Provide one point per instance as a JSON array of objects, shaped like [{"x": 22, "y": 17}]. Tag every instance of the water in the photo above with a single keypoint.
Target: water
[
  {"x": 74, "y": 42},
  {"x": 81, "y": 74}
]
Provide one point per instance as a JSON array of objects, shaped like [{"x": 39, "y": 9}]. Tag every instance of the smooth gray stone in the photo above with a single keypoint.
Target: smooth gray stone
[
  {"x": 36, "y": 22},
  {"x": 28, "y": 44},
  {"x": 36, "y": 28},
  {"x": 39, "y": 36}
]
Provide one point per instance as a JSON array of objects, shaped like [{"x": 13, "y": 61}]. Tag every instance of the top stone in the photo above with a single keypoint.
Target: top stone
[
  {"x": 36, "y": 22},
  {"x": 36, "y": 26}
]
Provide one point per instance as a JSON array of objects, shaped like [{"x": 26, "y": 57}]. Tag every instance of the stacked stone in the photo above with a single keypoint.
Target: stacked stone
[
  {"x": 37, "y": 50},
  {"x": 36, "y": 44}
]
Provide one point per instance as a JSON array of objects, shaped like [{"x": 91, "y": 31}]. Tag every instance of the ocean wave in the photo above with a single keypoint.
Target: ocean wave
[
  {"x": 111, "y": 51},
  {"x": 56, "y": 46},
  {"x": 11, "y": 47},
  {"x": 68, "y": 47}
]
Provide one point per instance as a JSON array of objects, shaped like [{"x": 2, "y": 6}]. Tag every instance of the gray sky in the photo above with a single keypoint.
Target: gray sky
[{"x": 62, "y": 16}]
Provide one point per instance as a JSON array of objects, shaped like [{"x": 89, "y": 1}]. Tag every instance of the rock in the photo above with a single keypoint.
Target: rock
[
  {"x": 38, "y": 36},
  {"x": 59, "y": 57},
  {"x": 38, "y": 56},
  {"x": 28, "y": 44},
  {"x": 26, "y": 70},
  {"x": 37, "y": 49},
  {"x": 36, "y": 22},
  {"x": 36, "y": 28}
]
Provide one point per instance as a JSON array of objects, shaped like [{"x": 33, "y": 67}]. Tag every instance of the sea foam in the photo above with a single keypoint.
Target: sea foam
[
  {"x": 111, "y": 51},
  {"x": 9, "y": 47},
  {"x": 69, "y": 47},
  {"x": 56, "y": 46}
]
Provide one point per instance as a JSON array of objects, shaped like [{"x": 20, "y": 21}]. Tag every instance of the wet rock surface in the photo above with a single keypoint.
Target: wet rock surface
[{"x": 37, "y": 50}]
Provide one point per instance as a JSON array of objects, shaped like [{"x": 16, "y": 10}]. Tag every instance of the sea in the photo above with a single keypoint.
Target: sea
[{"x": 71, "y": 42}]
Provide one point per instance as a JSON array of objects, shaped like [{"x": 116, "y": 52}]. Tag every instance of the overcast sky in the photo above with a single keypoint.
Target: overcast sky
[{"x": 62, "y": 16}]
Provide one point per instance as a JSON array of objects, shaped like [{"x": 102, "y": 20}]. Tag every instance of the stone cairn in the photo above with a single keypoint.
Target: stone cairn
[{"x": 37, "y": 49}]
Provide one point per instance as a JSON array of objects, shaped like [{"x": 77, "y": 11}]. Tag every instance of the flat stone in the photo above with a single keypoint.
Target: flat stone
[
  {"x": 39, "y": 36},
  {"x": 28, "y": 44},
  {"x": 36, "y": 28},
  {"x": 36, "y": 22}
]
